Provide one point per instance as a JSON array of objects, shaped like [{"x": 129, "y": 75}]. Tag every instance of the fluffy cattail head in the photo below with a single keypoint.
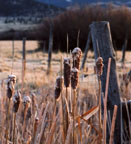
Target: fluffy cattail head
[
  {"x": 58, "y": 86},
  {"x": 26, "y": 101},
  {"x": 99, "y": 66},
  {"x": 16, "y": 101},
  {"x": 76, "y": 55},
  {"x": 67, "y": 70},
  {"x": 74, "y": 78},
  {"x": 36, "y": 120},
  {"x": 10, "y": 85}
]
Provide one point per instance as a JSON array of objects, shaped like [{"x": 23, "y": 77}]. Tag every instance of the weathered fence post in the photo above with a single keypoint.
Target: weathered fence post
[
  {"x": 100, "y": 32},
  {"x": 86, "y": 50},
  {"x": 23, "y": 61},
  {"x": 13, "y": 52},
  {"x": 50, "y": 49},
  {"x": 124, "y": 50},
  {"x": 13, "y": 44}
]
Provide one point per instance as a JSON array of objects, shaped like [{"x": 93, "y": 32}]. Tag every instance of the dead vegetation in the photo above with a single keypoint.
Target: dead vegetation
[{"x": 43, "y": 118}]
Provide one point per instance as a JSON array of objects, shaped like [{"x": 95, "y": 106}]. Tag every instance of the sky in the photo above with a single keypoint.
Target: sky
[{"x": 68, "y": 0}]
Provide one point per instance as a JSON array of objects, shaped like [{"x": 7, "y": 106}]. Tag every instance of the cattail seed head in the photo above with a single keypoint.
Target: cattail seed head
[
  {"x": 58, "y": 86},
  {"x": 74, "y": 78},
  {"x": 76, "y": 55},
  {"x": 10, "y": 85},
  {"x": 26, "y": 101},
  {"x": 67, "y": 71},
  {"x": 36, "y": 120},
  {"x": 16, "y": 101},
  {"x": 99, "y": 66}
]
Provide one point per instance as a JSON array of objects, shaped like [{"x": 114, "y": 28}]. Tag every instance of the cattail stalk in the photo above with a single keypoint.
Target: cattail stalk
[
  {"x": 76, "y": 55},
  {"x": 16, "y": 103},
  {"x": 74, "y": 84},
  {"x": 8, "y": 119},
  {"x": 99, "y": 70},
  {"x": 26, "y": 102},
  {"x": 74, "y": 113},
  {"x": 100, "y": 124},
  {"x": 105, "y": 102},
  {"x": 35, "y": 129},
  {"x": 14, "y": 124},
  {"x": 67, "y": 141},
  {"x": 62, "y": 104},
  {"x": 67, "y": 71},
  {"x": 113, "y": 125},
  {"x": 25, "y": 113}
]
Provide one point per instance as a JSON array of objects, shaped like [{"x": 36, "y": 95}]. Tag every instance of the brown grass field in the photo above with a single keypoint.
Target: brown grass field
[{"x": 39, "y": 86}]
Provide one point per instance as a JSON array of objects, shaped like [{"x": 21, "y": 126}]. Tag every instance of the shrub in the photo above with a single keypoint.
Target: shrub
[{"x": 73, "y": 20}]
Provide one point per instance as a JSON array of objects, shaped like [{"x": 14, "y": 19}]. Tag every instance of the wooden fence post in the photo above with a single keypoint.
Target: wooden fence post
[
  {"x": 100, "y": 33},
  {"x": 124, "y": 50},
  {"x": 50, "y": 49},
  {"x": 13, "y": 52},
  {"x": 13, "y": 45},
  {"x": 23, "y": 61}
]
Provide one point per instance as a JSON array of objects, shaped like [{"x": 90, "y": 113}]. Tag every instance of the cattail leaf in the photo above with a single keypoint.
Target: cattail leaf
[
  {"x": 79, "y": 126},
  {"x": 89, "y": 113}
]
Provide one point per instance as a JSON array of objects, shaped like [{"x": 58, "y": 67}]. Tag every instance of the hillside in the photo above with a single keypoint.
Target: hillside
[
  {"x": 26, "y": 8},
  {"x": 66, "y": 3},
  {"x": 18, "y": 18}
]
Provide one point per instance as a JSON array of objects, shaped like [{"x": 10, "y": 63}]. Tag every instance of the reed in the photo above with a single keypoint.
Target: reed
[
  {"x": 67, "y": 79},
  {"x": 105, "y": 102},
  {"x": 16, "y": 103},
  {"x": 10, "y": 91},
  {"x": 113, "y": 125},
  {"x": 26, "y": 104},
  {"x": 74, "y": 84},
  {"x": 99, "y": 68},
  {"x": 76, "y": 56},
  {"x": 58, "y": 87}
]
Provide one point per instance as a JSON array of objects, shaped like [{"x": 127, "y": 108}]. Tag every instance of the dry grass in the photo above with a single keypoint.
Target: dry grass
[{"x": 43, "y": 105}]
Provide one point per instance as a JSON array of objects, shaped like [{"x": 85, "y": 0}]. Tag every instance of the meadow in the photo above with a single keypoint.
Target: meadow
[{"x": 41, "y": 117}]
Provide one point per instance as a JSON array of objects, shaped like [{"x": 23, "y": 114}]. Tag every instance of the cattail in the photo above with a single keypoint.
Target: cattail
[
  {"x": 35, "y": 125},
  {"x": 74, "y": 78},
  {"x": 67, "y": 71},
  {"x": 27, "y": 107},
  {"x": 58, "y": 86},
  {"x": 35, "y": 129},
  {"x": 74, "y": 83},
  {"x": 76, "y": 55},
  {"x": 99, "y": 71},
  {"x": 10, "y": 91},
  {"x": 16, "y": 101},
  {"x": 26, "y": 103},
  {"x": 33, "y": 98},
  {"x": 99, "y": 66},
  {"x": 10, "y": 85}
]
